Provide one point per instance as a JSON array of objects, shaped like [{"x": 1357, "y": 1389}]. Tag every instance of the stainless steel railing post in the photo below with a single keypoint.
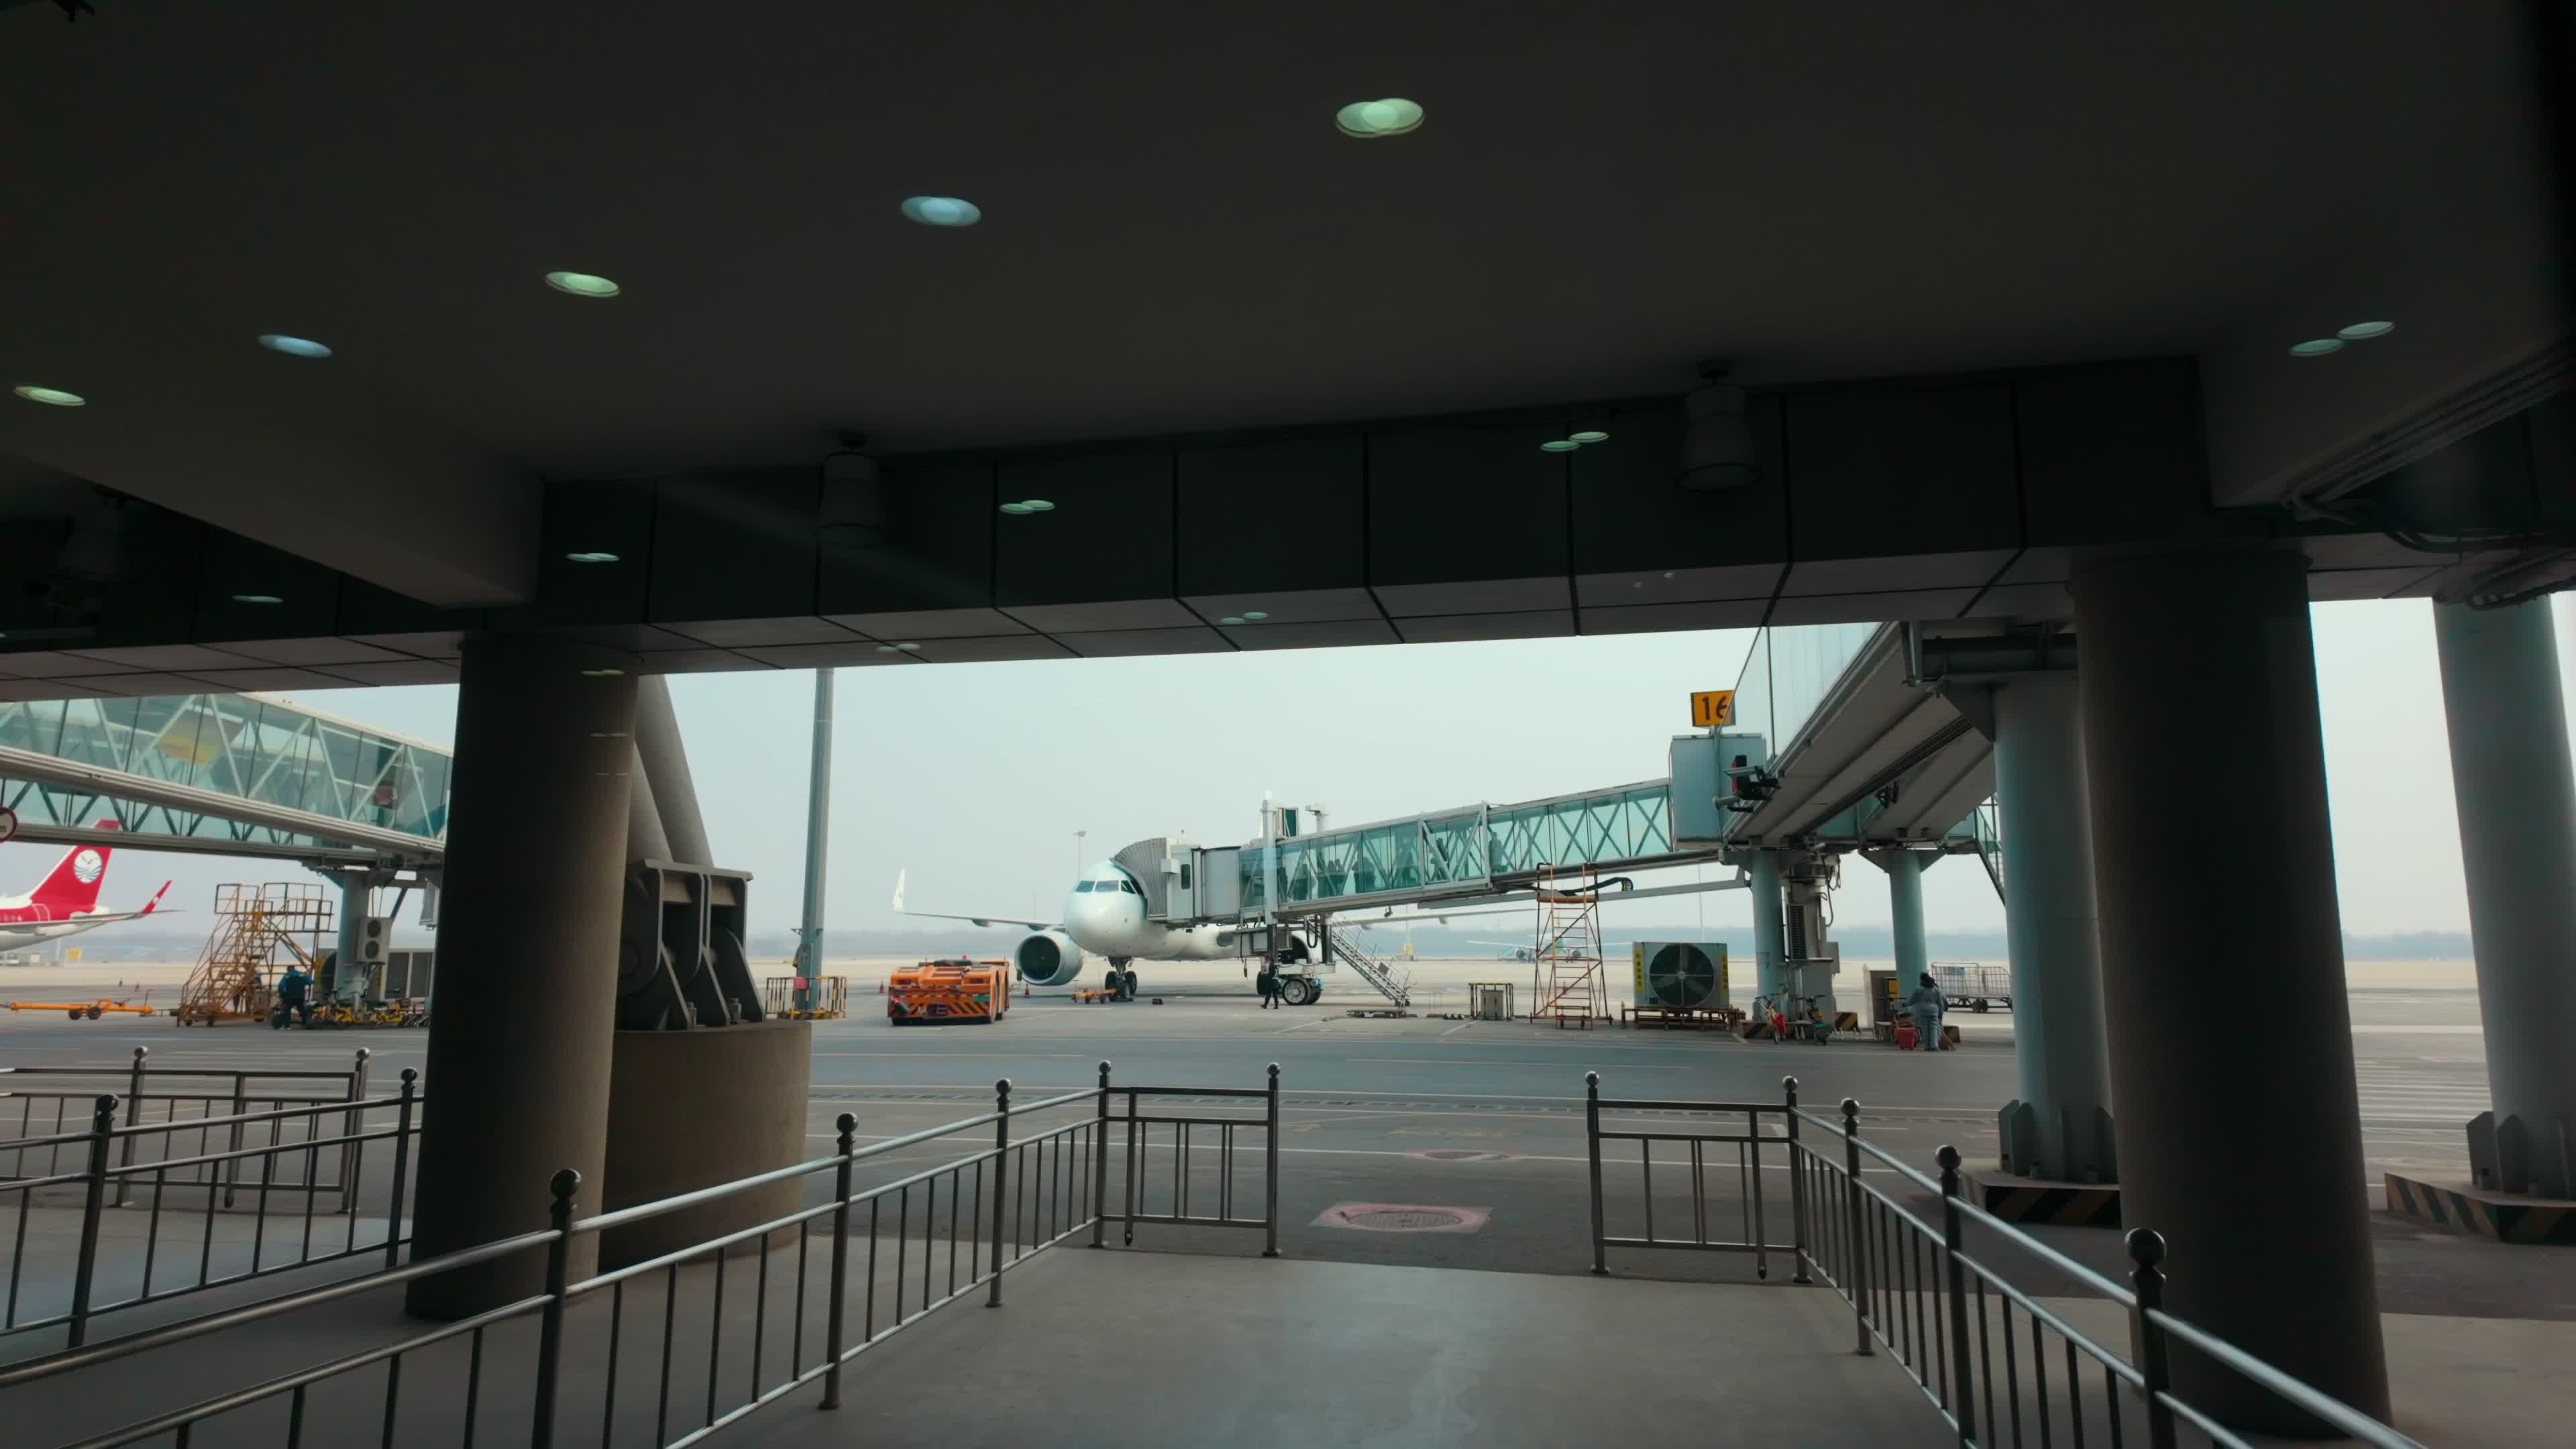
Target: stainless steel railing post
[
  {"x": 1100, "y": 1165},
  {"x": 2155, "y": 1366},
  {"x": 1953, "y": 1242},
  {"x": 1270, "y": 1206},
  {"x": 402, "y": 1167},
  {"x": 835, "y": 1316},
  {"x": 102, "y": 1127},
  {"x": 1852, "y": 1200},
  {"x": 1001, "y": 1176},
  {"x": 1592, "y": 1141},
  {"x": 541, "y": 1417},
  {"x": 1797, "y": 1187}
]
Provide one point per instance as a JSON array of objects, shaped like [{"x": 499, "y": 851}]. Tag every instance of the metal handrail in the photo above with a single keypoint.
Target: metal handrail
[
  {"x": 1904, "y": 1276},
  {"x": 2325, "y": 1406},
  {"x": 195, "y": 1328}
]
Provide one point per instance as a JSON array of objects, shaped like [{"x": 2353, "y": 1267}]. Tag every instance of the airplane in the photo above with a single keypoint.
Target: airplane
[
  {"x": 65, "y": 902},
  {"x": 1104, "y": 914}
]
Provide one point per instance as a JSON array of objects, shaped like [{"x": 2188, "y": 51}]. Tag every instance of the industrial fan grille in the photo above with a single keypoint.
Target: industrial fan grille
[{"x": 1681, "y": 975}]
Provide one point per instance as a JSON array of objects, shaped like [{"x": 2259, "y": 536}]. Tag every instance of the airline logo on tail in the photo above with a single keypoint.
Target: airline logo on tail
[{"x": 72, "y": 886}]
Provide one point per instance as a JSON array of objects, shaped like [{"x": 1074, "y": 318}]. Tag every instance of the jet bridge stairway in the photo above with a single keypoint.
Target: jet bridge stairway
[{"x": 1342, "y": 944}]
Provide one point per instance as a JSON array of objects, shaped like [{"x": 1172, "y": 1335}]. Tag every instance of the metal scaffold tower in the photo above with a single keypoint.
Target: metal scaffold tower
[
  {"x": 259, "y": 931},
  {"x": 1565, "y": 975}
]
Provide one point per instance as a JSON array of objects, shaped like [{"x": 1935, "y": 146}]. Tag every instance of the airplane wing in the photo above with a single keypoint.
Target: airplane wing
[{"x": 900, "y": 910}]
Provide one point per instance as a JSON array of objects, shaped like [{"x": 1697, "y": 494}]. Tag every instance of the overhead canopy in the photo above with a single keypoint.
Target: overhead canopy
[{"x": 2085, "y": 239}]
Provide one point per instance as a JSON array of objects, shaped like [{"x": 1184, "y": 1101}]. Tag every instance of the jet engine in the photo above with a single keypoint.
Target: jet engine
[{"x": 1048, "y": 958}]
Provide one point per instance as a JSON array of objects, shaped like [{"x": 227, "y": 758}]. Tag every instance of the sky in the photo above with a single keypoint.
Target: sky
[{"x": 975, "y": 778}]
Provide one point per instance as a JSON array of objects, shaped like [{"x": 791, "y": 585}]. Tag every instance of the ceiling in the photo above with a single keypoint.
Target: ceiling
[{"x": 1176, "y": 239}]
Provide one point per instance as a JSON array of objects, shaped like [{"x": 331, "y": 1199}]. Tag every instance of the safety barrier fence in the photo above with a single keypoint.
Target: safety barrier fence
[
  {"x": 2000, "y": 1366},
  {"x": 187, "y": 1203},
  {"x": 45, "y": 1108},
  {"x": 827, "y": 1283}
]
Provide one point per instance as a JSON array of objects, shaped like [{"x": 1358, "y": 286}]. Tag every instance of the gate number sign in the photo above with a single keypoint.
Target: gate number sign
[{"x": 1713, "y": 708}]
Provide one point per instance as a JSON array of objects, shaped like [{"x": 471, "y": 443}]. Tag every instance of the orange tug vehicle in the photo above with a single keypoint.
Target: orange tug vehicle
[{"x": 955, "y": 990}]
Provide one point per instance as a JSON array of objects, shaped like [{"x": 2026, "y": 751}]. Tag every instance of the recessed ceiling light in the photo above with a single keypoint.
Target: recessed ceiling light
[
  {"x": 1037, "y": 505},
  {"x": 293, "y": 346},
  {"x": 1254, "y": 616},
  {"x": 257, "y": 599},
  {"x": 887, "y": 649},
  {"x": 1015, "y": 509},
  {"x": 908, "y": 648},
  {"x": 942, "y": 210},
  {"x": 2364, "y": 331},
  {"x": 581, "y": 284},
  {"x": 1376, "y": 120},
  {"x": 592, "y": 555},
  {"x": 1590, "y": 435},
  {"x": 2316, "y": 347},
  {"x": 1230, "y": 619},
  {"x": 50, "y": 396},
  {"x": 1559, "y": 445},
  {"x": 602, "y": 673}
]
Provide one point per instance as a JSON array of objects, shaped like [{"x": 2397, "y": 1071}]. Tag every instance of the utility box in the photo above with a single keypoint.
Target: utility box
[{"x": 1680, "y": 975}]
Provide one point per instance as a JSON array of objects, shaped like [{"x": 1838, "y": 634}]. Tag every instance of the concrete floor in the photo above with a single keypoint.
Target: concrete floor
[{"x": 1367, "y": 1101}]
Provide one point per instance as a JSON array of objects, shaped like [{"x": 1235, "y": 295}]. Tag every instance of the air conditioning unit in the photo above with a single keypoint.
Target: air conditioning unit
[
  {"x": 1681, "y": 975},
  {"x": 375, "y": 939}
]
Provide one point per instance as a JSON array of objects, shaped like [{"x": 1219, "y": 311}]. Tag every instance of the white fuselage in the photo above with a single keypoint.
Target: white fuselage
[
  {"x": 17, "y": 931},
  {"x": 1105, "y": 916}
]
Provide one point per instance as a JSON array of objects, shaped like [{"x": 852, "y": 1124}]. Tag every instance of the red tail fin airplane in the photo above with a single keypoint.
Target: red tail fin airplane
[{"x": 65, "y": 902}]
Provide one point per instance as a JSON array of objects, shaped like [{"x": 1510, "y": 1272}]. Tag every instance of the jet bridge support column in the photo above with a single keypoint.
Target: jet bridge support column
[
  {"x": 2060, "y": 1125},
  {"x": 1905, "y": 909},
  {"x": 2239, "y": 1135},
  {"x": 2517, "y": 801},
  {"x": 1770, "y": 949}
]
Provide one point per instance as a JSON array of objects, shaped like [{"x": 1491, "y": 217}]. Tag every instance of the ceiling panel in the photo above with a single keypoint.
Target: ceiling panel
[
  {"x": 275, "y": 677},
  {"x": 1450, "y": 628},
  {"x": 2036, "y": 603},
  {"x": 1304, "y": 606},
  {"x": 1660, "y": 618},
  {"x": 433, "y": 644},
  {"x": 700, "y": 661},
  {"x": 932, "y": 624},
  {"x": 1873, "y": 608},
  {"x": 325, "y": 650},
  {"x": 138, "y": 684},
  {"x": 1116, "y": 614},
  {"x": 1972, "y": 569},
  {"x": 162, "y": 656},
  {"x": 1126, "y": 643},
  {"x": 49, "y": 664},
  {"x": 16, "y": 691},
  {"x": 1311, "y": 636},
  {"x": 826, "y": 656},
  {"x": 1000, "y": 646},
  {"x": 401, "y": 671},
  {"x": 1677, "y": 586},
  {"x": 737, "y": 633},
  {"x": 1476, "y": 596}
]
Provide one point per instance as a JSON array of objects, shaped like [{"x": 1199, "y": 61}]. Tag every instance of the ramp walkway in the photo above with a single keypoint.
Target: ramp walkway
[{"x": 231, "y": 774}]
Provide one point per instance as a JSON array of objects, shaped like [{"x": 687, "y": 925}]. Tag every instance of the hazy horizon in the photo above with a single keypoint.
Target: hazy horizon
[{"x": 975, "y": 777}]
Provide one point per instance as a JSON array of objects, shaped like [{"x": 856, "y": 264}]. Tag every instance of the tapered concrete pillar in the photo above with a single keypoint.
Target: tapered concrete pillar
[
  {"x": 1905, "y": 910},
  {"x": 1770, "y": 951},
  {"x": 2239, "y": 1139},
  {"x": 517, "y": 1080},
  {"x": 666, "y": 767},
  {"x": 2516, "y": 790},
  {"x": 2059, "y": 1126}
]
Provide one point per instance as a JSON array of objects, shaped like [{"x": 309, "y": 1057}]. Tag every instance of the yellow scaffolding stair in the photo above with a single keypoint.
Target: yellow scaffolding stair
[
  {"x": 1565, "y": 977},
  {"x": 256, "y": 935}
]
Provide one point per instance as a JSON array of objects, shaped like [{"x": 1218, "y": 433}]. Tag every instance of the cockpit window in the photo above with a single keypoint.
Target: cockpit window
[
  {"x": 1081, "y": 887},
  {"x": 1129, "y": 887}
]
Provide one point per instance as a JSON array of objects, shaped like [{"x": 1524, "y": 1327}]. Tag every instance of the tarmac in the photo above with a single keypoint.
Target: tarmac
[{"x": 1485, "y": 1120}]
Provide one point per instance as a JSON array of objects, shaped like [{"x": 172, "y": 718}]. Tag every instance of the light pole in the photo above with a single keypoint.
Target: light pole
[{"x": 1077, "y": 853}]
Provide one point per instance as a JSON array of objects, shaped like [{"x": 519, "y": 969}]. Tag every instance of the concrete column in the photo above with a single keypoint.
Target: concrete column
[
  {"x": 1770, "y": 949},
  {"x": 2060, "y": 1124},
  {"x": 2516, "y": 789},
  {"x": 2239, "y": 1136},
  {"x": 1905, "y": 909},
  {"x": 666, "y": 766},
  {"x": 519, "y": 1050}
]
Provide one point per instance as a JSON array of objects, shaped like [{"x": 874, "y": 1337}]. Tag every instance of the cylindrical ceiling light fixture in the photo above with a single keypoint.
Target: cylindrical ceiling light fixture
[
  {"x": 1717, "y": 444},
  {"x": 852, "y": 514}
]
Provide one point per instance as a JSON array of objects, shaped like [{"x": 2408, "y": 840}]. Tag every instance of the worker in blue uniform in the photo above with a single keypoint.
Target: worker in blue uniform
[{"x": 1926, "y": 1006}]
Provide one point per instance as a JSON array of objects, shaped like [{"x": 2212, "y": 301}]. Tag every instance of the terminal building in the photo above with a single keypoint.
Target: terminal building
[{"x": 2023, "y": 375}]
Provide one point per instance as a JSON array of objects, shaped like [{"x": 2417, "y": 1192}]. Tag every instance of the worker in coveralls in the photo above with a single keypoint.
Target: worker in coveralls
[{"x": 1926, "y": 1006}]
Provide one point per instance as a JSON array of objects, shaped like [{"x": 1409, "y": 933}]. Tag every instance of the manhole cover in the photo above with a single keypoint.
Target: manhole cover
[
  {"x": 1396, "y": 1217},
  {"x": 1406, "y": 1220}
]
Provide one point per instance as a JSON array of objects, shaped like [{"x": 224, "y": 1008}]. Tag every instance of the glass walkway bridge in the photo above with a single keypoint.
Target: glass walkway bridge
[
  {"x": 230, "y": 774},
  {"x": 1870, "y": 760}
]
